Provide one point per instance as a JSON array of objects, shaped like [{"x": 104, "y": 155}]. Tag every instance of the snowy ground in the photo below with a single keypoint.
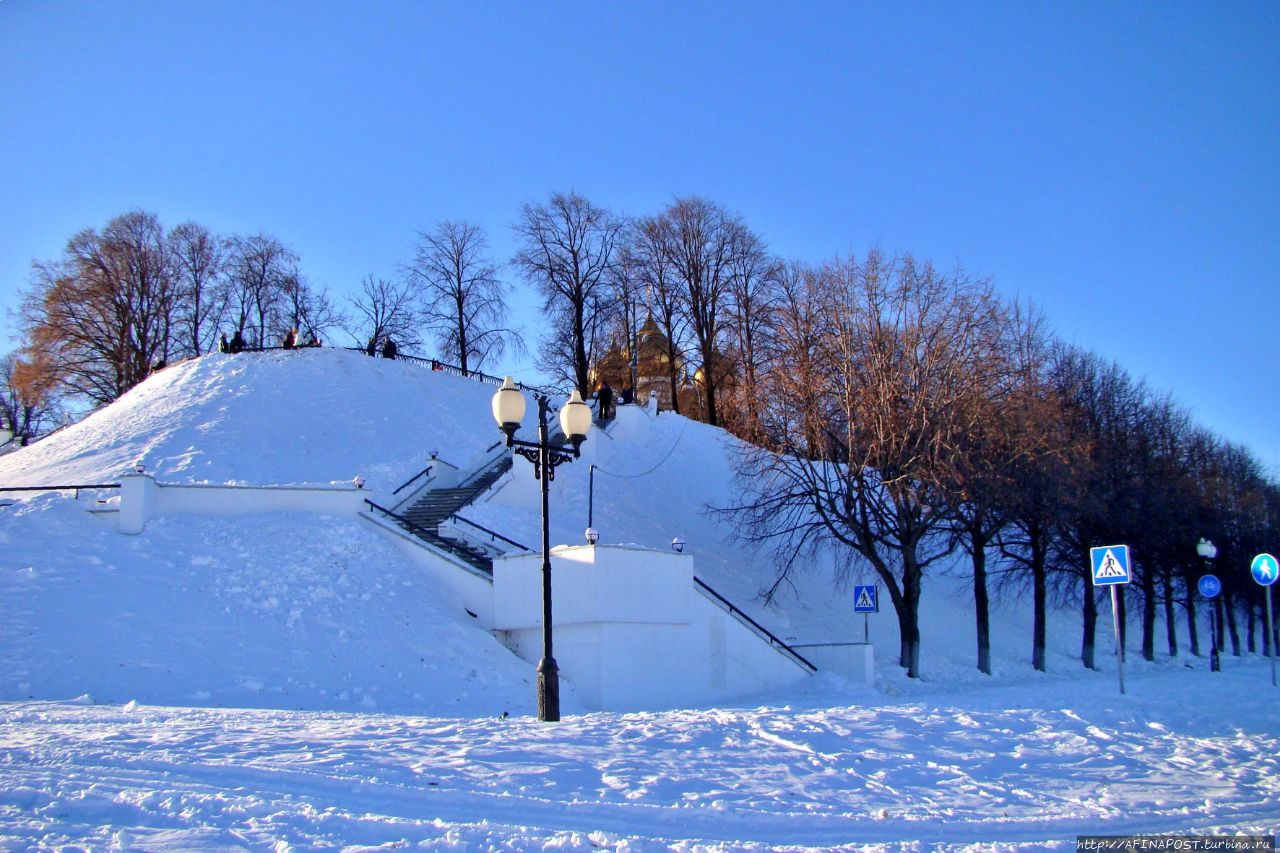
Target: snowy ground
[{"x": 1185, "y": 751}]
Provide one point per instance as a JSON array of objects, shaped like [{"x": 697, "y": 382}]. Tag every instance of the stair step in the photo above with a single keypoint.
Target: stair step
[{"x": 437, "y": 505}]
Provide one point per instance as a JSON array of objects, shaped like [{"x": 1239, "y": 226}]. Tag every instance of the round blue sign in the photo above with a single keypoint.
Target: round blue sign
[
  {"x": 1209, "y": 586},
  {"x": 1264, "y": 569}
]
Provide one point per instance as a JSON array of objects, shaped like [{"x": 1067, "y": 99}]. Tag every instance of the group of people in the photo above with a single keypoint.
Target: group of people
[
  {"x": 290, "y": 341},
  {"x": 604, "y": 396},
  {"x": 389, "y": 348}
]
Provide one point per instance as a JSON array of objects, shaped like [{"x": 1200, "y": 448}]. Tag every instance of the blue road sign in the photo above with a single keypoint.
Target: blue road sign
[
  {"x": 1209, "y": 586},
  {"x": 865, "y": 599},
  {"x": 1264, "y": 569},
  {"x": 1110, "y": 564}
]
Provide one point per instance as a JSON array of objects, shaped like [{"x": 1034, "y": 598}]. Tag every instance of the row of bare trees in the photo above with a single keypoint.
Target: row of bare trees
[
  {"x": 908, "y": 420},
  {"x": 119, "y": 301},
  {"x": 695, "y": 268}
]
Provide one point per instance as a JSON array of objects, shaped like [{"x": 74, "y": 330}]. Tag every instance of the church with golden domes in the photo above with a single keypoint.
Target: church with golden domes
[{"x": 653, "y": 372}]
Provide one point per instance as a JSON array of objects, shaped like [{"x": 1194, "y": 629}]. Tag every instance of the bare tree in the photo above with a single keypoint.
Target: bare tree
[
  {"x": 868, "y": 455},
  {"x": 463, "y": 300},
  {"x": 102, "y": 313},
  {"x": 260, "y": 268},
  {"x": 567, "y": 251},
  {"x": 385, "y": 309},
  {"x": 701, "y": 241},
  {"x": 199, "y": 265},
  {"x": 29, "y": 402},
  {"x": 307, "y": 309},
  {"x": 753, "y": 284},
  {"x": 662, "y": 298}
]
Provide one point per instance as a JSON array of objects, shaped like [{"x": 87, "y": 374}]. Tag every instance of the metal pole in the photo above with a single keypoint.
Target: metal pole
[
  {"x": 866, "y": 628},
  {"x": 1115, "y": 624},
  {"x": 548, "y": 672},
  {"x": 1271, "y": 635},
  {"x": 591, "y": 494}
]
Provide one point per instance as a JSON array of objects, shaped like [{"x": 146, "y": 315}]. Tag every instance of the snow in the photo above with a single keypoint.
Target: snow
[
  {"x": 306, "y": 416},
  {"x": 836, "y": 767},
  {"x": 290, "y": 681}
]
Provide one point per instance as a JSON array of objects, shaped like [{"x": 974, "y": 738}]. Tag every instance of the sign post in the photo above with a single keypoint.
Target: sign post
[
  {"x": 1210, "y": 586},
  {"x": 1111, "y": 568},
  {"x": 1265, "y": 572},
  {"x": 866, "y": 600}
]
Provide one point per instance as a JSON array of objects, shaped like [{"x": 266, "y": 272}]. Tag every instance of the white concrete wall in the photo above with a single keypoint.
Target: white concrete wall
[
  {"x": 855, "y": 661},
  {"x": 631, "y": 424},
  {"x": 142, "y": 499},
  {"x": 632, "y": 631}
]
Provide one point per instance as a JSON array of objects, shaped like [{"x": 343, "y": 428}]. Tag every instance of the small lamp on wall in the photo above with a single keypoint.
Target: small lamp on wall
[
  {"x": 677, "y": 545},
  {"x": 593, "y": 536},
  {"x": 359, "y": 481}
]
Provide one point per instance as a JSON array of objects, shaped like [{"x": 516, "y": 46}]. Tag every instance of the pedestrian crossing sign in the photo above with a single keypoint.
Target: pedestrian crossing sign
[
  {"x": 865, "y": 599},
  {"x": 1110, "y": 564}
]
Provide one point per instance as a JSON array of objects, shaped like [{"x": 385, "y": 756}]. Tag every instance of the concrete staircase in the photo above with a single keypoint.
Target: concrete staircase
[{"x": 438, "y": 505}]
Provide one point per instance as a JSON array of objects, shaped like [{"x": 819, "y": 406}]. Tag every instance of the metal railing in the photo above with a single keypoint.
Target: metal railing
[
  {"x": 406, "y": 483},
  {"x": 760, "y": 629},
  {"x": 74, "y": 488},
  {"x": 492, "y": 533},
  {"x": 431, "y": 537}
]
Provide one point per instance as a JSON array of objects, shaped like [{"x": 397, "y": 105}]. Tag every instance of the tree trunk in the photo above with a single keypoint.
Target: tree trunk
[
  {"x": 1148, "y": 613},
  {"x": 1090, "y": 626},
  {"x": 1222, "y": 628},
  {"x": 981, "y": 604},
  {"x": 1170, "y": 625},
  {"x": 712, "y": 419},
  {"x": 1234, "y": 630},
  {"x": 1189, "y": 604},
  {"x": 1252, "y": 635},
  {"x": 909, "y": 619},
  {"x": 1039, "y": 576}
]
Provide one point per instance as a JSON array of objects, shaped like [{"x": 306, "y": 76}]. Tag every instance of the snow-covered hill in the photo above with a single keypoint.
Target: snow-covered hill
[
  {"x": 323, "y": 416},
  {"x": 302, "y": 416},
  {"x": 281, "y": 612}
]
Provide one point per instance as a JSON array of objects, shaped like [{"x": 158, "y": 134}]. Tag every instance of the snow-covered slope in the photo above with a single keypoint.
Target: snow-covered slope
[
  {"x": 304, "y": 416},
  {"x": 289, "y": 611}
]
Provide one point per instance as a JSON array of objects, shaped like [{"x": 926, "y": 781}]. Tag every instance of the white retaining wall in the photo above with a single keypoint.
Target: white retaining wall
[
  {"x": 142, "y": 499},
  {"x": 633, "y": 631}
]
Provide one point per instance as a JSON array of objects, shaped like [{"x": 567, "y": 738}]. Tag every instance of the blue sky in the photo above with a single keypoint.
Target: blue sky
[{"x": 1116, "y": 163}]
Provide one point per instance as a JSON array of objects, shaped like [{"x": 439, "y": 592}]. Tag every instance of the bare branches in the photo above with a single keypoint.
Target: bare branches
[
  {"x": 463, "y": 300},
  {"x": 567, "y": 251},
  {"x": 385, "y": 309}
]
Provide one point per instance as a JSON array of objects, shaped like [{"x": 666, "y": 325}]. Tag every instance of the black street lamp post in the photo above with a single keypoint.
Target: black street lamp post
[{"x": 575, "y": 420}]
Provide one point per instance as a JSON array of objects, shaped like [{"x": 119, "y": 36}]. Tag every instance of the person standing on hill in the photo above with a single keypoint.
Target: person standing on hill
[
  {"x": 372, "y": 346},
  {"x": 605, "y": 396},
  {"x": 223, "y": 346},
  {"x": 291, "y": 339},
  {"x": 237, "y": 342},
  {"x": 389, "y": 349}
]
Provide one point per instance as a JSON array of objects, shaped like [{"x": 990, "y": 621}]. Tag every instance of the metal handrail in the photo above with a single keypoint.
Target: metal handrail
[
  {"x": 75, "y": 488},
  {"x": 414, "y": 477},
  {"x": 58, "y": 488},
  {"x": 754, "y": 624},
  {"x": 493, "y": 533}
]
